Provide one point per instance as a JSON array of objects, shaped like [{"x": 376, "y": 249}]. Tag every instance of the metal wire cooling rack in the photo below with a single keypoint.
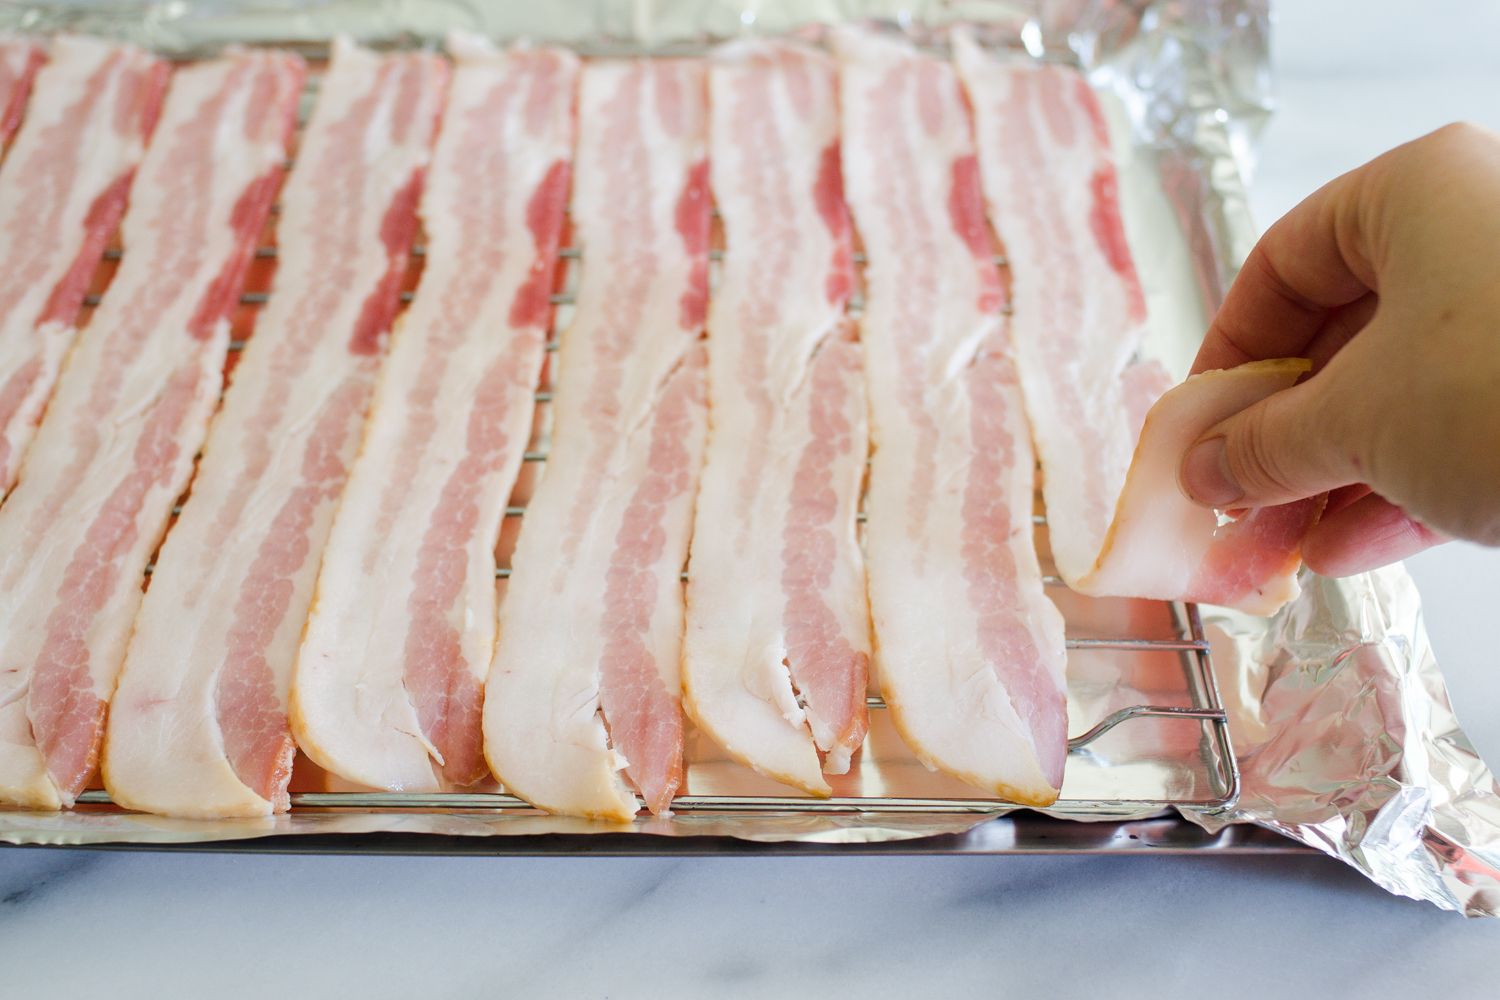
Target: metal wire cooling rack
[{"x": 1214, "y": 787}]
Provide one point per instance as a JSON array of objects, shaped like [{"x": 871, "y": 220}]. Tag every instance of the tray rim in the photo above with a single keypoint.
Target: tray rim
[{"x": 1025, "y": 834}]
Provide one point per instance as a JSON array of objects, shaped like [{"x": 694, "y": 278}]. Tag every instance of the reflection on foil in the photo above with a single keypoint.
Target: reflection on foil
[
  {"x": 1342, "y": 724},
  {"x": 1347, "y": 741}
]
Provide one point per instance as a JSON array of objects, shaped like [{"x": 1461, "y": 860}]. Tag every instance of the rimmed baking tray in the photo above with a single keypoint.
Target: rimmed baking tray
[{"x": 1152, "y": 734}]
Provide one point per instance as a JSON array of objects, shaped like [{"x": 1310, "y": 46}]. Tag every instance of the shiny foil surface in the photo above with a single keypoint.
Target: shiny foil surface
[{"x": 1340, "y": 720}]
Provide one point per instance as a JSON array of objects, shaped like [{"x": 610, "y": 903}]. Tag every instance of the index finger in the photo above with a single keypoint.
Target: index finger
[{"x": 1310, "y": 262}]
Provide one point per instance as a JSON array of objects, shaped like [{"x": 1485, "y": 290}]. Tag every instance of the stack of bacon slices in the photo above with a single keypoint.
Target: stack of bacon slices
[{"x": 328, "y": 583}]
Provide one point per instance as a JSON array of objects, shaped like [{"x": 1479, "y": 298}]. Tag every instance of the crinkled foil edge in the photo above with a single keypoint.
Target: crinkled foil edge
[{"x": 1346, "y": 738}]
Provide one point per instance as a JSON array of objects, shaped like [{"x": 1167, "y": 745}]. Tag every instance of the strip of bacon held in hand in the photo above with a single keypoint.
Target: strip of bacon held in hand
[{"x": 1162, "y": 545}]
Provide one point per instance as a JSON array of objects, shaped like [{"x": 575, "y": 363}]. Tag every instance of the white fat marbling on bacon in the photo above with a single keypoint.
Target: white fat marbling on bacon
[
  {"x": 388, "y": 680},
  {"x": 63, "y": 187},
  {"x": 198, "y": 726},
  {"x": 969, "y": 650},
  {"x": 585, "y": 677},
  {"x": 1049, "y": 178},
  {"x": 776, "y": 599},
  {"x": 130, "y": 411}
]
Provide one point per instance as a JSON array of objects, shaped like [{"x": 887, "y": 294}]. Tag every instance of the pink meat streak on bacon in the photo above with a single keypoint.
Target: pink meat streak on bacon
[
  {"x": 67, "y": 717},
  {"x": 1109, "y": 231},
  {"x": 829, "y": 673},
  {"x": 828, "y": 195},
  {"x": 799, "y": 78},
  {"x": 76, "y": 151},
  {"x": 645, "y": 722},
  {"x": 921, "y": 297},
  {"x": 397, "y": 232},
  {"x": 444, "y": 692},
  {"x": 1055, "y": 111},
  {"x": 966, "y": 213},
  {"x": 899, "y": 189},
  {"x": 928, "y": 79},
  {"x": 220, "y": 297},
  {"x": 765, "y": 181},
  {"x": 1261, "y": 545},
  {"x": 990, "y": 570},
  {"x": 398, "y": 229},
  {"x": 693, "y": 226},
  {"x": 104, "y": 214},
  {"x": 532, "y": 305},
  {"x": 126, "y": 492},
  {"x": 19, "y": 62},
  {"x": 669, "y": 98}
]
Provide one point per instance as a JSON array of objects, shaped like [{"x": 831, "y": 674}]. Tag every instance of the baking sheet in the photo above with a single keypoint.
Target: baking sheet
[{"x": 1345, "y": 736}]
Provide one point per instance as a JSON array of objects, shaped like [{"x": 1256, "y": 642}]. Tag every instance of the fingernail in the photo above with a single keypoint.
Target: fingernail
[{"x": 1205, "y": 474}]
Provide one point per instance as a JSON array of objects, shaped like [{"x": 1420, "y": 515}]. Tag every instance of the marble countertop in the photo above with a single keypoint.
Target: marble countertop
[{"x": 1355, "y": 78}]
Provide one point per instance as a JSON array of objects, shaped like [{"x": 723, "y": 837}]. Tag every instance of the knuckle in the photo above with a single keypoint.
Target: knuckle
[
  {"x": 1487, "y": 530},
  {"x": 1463, "y": 133},
  {"x": 1458, "y": 141}
]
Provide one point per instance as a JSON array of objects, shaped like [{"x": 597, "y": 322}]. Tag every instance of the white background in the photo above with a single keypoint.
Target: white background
[{"x": 1355, "y": 78}]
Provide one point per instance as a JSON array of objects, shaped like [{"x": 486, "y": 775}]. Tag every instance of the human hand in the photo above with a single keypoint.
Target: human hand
[{"x": 1388, "y": 280}]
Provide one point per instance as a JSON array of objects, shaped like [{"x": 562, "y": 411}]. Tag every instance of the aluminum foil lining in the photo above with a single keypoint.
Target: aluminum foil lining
[{"x": 1341, "y": 721}]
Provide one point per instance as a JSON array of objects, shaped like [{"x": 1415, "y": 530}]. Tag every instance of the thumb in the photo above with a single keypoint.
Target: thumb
[{"x": 1286, "y": 447}]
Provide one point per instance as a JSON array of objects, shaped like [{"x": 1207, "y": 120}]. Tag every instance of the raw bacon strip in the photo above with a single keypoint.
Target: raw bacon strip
[
  {"x": 1163, "y": 546},
  {"x": 130, "y": 411},
  {"x": 388, "y": 680},
  {"x": 62, "y": 191},
  {"x": 585, "y": 680},
  {"x": 19, "y": 61},
  {"x": 1048, "y": 176},
  {"x": 776, "y": 605},
  {"x": 198, "y": 726},
  {"x": 969, "y": 650}
]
